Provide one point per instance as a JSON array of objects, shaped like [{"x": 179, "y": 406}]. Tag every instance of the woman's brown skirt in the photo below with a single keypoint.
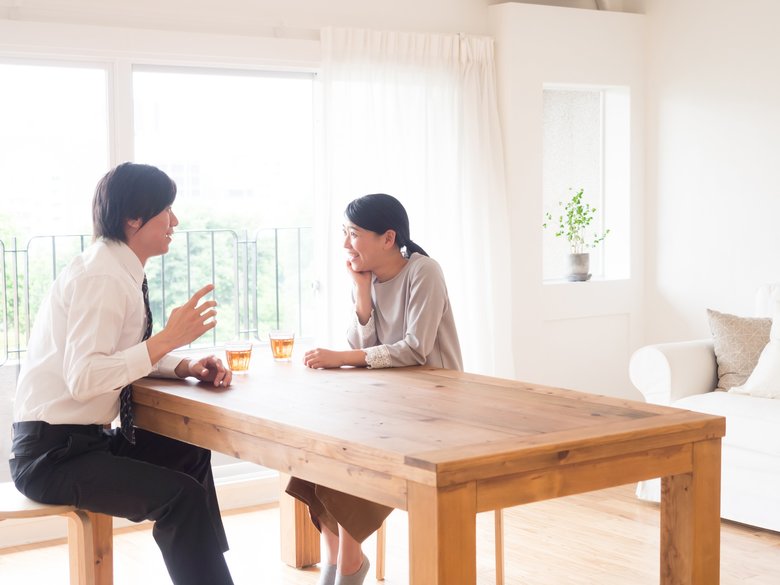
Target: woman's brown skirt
[{"x": 359, "y": 517}]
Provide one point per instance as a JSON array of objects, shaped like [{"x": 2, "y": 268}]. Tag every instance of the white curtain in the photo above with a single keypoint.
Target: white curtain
[{"x": 415, "y": 116}]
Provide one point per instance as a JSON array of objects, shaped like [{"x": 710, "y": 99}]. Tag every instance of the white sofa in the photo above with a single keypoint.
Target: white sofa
[{"x": 684, "y": 375}]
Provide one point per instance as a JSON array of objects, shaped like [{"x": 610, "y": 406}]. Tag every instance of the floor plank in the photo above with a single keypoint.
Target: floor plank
[{"x": 607, "y": 537}]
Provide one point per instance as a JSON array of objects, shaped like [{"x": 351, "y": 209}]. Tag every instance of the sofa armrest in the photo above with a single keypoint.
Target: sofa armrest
[{"x": 666, "y": 372}]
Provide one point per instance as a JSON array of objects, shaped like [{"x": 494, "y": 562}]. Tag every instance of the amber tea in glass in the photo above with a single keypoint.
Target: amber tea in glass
[
  {"x": 238, "y": 354},
  {"x": 282, "y": 344}
]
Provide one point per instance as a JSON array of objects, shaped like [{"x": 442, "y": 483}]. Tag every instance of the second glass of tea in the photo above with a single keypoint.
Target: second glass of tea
[
  {"x": 282, "y": 342},
  {"x": 238, "y": 354}
]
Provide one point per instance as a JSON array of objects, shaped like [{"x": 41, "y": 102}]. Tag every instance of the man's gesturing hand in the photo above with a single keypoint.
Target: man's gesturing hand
[{"x": 185, "y": 325}]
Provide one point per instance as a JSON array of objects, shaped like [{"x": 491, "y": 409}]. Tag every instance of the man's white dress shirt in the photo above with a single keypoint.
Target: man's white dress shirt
[{"x": 86, "y": 343}]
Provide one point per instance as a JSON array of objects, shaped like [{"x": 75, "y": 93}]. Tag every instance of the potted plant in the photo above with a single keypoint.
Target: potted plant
[{"x": 572, "y": 225}]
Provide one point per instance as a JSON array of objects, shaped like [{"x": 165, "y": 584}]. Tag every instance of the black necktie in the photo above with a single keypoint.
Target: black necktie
[{"x": 126, "y": 395}]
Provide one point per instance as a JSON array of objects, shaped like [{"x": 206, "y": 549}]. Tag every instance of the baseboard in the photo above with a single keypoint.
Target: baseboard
[{"x": 239, "y": 485}]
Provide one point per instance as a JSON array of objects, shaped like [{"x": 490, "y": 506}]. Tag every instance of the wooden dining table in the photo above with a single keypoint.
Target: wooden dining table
[{"x": 445, "y": 445}]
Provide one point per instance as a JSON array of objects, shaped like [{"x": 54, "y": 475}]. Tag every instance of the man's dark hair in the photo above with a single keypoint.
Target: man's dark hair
[{"x": 129, "y": 191}]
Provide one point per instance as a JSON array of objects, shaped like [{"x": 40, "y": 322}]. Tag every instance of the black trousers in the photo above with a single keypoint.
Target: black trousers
[{"x": 158, "y": 478}]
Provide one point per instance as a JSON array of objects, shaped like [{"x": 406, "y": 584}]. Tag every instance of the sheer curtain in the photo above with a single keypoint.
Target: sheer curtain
[{"x": 415, "y": 116}]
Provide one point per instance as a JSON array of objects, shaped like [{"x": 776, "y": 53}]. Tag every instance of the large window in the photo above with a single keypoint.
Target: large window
[
  {"x": 53, "y": 146},
  {"x": 586, "y": 146},
  {"x": 238, "y": 143},
  {"x": 240, "y": 146}
]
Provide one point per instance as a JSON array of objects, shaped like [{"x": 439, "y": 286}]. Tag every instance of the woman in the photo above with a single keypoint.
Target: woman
[{"x": 402, "y": 318}]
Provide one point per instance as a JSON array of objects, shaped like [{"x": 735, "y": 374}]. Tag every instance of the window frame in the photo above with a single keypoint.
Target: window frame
[{"x": 614, "y": 197}]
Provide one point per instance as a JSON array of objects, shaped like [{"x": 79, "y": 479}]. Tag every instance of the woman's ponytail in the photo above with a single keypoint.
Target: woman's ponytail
[{"x": 411, "y": 248}]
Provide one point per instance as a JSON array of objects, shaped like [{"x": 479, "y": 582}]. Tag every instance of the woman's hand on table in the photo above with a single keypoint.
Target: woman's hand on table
[{"x": 320, "y": 358}]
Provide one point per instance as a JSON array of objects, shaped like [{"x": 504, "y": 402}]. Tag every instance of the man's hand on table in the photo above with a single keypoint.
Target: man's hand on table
[{"x": 206, "y": 369}]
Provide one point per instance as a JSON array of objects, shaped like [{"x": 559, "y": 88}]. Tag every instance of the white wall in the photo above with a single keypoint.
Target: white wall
[
  {"x": 713, "y": 184},
  {"x": 575, "y": 335}
]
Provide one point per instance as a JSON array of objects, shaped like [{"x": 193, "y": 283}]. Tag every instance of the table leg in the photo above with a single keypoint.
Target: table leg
[
  {"x": 690, "y": 521},
  {"x": 442, "y": 534},
  {"x": 300, "y": 539}
]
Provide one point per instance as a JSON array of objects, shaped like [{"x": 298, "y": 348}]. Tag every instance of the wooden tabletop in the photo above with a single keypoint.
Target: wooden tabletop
[{"x": 419, "y": 424}]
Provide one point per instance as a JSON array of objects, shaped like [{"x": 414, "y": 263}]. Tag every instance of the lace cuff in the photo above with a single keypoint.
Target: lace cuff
[{"x": 378, "y": 357}]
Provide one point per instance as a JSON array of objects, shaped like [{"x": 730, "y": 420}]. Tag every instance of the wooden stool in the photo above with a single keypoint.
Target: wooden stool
[
  {"x": 499, "y": 529},
  {"x": 13, "y": 504}
]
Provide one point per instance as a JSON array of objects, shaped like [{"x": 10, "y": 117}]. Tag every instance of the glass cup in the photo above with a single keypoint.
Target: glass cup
[
  {"x": 238, "y": 354},
  {"x": 282, "y": 342}
]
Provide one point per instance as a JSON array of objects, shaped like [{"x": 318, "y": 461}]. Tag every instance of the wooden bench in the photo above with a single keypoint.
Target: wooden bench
[{"x": 86, "y": 568}]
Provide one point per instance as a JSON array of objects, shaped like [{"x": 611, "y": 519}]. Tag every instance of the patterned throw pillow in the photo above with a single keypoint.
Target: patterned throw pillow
[
  {"x": 765, "y": 379},
  {"x": 738, "y": 344}
]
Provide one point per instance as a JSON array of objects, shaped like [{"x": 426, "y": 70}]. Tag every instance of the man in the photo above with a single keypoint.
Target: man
[{"x": 91, "y": 339}]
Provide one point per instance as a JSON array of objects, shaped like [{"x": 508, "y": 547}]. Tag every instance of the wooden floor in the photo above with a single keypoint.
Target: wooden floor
[{"x": 605, "y": 538}]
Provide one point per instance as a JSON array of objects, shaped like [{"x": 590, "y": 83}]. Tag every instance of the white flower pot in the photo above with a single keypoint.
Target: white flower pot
[{"x": 579, "y": 267}]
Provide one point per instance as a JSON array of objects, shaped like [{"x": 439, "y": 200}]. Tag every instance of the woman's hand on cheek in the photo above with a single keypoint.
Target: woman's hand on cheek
[{"x": 361, "y": 279}]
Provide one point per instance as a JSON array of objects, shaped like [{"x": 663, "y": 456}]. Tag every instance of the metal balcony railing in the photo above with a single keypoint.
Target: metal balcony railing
[{"x": 263, "y": 281}]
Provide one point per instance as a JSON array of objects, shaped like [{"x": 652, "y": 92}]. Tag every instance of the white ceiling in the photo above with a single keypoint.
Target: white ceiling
[{"x": 637, "y": 6}]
